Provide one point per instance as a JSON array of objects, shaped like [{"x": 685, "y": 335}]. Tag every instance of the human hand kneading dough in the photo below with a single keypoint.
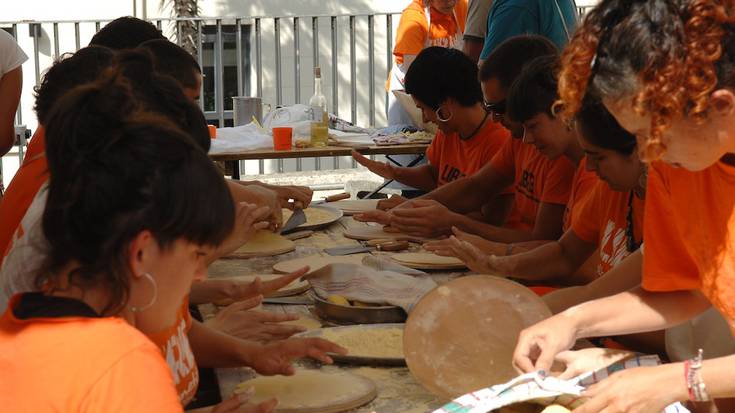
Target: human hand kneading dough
[
  {"x": 294, "y": 196},
  {"x": 443, "y": 247},
  {"x": 276, "y": 358},
  {"x": 383, "y": 169},
  {"x": 242, "y": 321},
  {"x": 249, "y": 219},
  {"x": 392, "y": 202},
  {"x": 423, "y": 218}
]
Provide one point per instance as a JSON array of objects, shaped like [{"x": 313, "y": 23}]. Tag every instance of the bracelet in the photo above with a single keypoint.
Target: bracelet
[
  {"x": 509, "y": 250},
  {"x": 695, "y": 384}
]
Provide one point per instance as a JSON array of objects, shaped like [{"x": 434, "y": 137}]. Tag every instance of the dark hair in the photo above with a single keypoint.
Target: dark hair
[
  {"x": 172, "y": 60},
  {"x": 116, "y": 171},
  {"x": 125, "y": 33},
  {"x": 162, "y": 94},
  {"x": 508, "y": 59},
  {"x": 599, "y": 127},
  {"x": 535, "y": 90},
  {"x": 439, "y": 73},
  {"x": 71, "y": 70},
  {"x": 668, "y": 55}
]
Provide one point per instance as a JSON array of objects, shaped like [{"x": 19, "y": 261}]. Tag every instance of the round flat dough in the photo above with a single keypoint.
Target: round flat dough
[
  {"x": 367, "y": 341},
  {"x": 427, "y": 260},
  {"x": 305, "y": 322},
  {"x": 460, "y": 337},
  {"x": 367, "y": 233},
  {"x": 315, "y": 216},
  {"x": 264, "y": 244},
  {"x": 316, "y": 262},
  {"x": 312, "y": 391},
  {"x": 294, "y": 288},
  {"x": 355, "y": 206}
]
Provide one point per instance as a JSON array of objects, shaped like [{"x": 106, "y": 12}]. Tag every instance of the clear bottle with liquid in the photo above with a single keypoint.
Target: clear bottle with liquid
[{"x": 320, "y": 116}]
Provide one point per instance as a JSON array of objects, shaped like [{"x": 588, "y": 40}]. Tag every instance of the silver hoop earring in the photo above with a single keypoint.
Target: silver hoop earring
[
  {"x": 153, "y": 299},
  {"x": 439, "y": 116},
  {"x": 643, "y": 179}
]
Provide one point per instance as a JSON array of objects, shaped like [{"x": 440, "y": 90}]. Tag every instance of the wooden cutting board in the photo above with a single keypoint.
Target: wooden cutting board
[
  {"x": 316, "y": 262},
  {"x": 460, "y": 337},
  {"x": 367, "y": 233},
  {"x": 313, "y": 391},
  {"x": 264, "y": 244},
  {"x": 428, "y": 261}
]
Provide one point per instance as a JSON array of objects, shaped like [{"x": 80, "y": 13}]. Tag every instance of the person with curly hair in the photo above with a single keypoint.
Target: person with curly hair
[{"x": 665, "y": 70}]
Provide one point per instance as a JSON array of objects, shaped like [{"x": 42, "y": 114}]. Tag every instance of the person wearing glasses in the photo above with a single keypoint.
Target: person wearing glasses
[
  {"x": 541, "y": 186},
  {"x": 466, "y": 139}
]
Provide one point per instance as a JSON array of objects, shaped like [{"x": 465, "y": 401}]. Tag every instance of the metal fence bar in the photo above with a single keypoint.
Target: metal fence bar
[
  {"x": 77, "y": 37},
  {"x": 389, "y": 55},
  {"x": 56, "y": 41},
  {"x": 238, "y": 54},
  {"x": 200, "y": 60},
  {"x": 219, "y": 90},
  {"x": 297, "y": 73},
  {"x": 353, "y": 72},
  {"x": 259, "y": 69},
  {"x": 335, "y": 78},
  {"x": 96, "y": 26},
  {"x": 371, "y": 68},
  {"x": 279, "y": 81},
  {"x": 35, "y": 32},
  {"x": 315, "y": 51}
]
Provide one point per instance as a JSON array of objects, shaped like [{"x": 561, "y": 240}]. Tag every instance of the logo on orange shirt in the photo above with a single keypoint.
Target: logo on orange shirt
[
  {"x": 180, "y": 360},
  {"x": 450, "y": 174}
]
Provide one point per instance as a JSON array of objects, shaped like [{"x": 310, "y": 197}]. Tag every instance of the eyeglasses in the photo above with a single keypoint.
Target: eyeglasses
[{"x": 496, "y": 109}]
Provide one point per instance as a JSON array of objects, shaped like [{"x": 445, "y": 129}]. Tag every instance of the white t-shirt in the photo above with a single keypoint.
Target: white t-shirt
[
  {"x": 11, "y": 55},
  {"x": 28, "y": 249}
]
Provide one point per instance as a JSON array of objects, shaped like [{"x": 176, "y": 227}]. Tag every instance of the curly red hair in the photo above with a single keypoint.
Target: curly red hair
[{"x": 673, "y": 48}]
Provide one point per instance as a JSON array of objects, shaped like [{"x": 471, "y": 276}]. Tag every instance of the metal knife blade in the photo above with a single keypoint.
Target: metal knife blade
[
  {"x": 297, "y": 218},
  {"x": 338, "y": 251}
]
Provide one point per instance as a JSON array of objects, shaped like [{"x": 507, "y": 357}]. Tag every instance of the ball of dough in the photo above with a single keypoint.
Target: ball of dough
[{"x": 555, "y": 408}]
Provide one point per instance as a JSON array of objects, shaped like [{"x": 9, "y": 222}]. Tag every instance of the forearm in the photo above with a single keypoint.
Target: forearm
[
  {"x": 492, "y": 232},
  {"x": 634, "y": 311},
  {"x": 463, "y": 195},
  {"x": 546, "y": 262},
  {"x": 215, "y": 349},
  {"x": 719, "y": 377},
  {"x": 422, "y": 177}
]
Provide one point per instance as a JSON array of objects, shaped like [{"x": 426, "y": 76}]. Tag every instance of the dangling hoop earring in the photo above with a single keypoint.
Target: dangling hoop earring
[
  {"x": 153, "y": 299},
  {"x": 643, "y": 179},
  {"x": 439, "y": 116}
]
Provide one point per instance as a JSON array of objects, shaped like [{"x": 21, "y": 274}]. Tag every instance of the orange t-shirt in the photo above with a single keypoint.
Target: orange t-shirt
[
  {"x": 536, "y": 179},
  {"x": 455, "y": 158},
  {"x": 174, "y": 344},
  {"x": 582, "y": 184},
  {"x": 29, "y": 178},
  {"x": 603, "y": 220},
  {"x": 80, "y": 364},
  {"x": 690, "y": 233},
  {"x": 414, "y": 33}
]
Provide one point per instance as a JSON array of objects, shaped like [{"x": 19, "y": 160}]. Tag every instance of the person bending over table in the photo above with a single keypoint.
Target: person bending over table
[
  {"x": 607, "y": 217},
  {"x": 467, "y": 138},
  {"x": 542, "y": 185},
  {"x": 679, "y": 101}
]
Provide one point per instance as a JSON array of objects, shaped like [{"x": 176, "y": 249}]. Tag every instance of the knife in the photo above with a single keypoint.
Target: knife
[
  {"x": 297, "y": 218},
  {"x": 373, "y": 245}
]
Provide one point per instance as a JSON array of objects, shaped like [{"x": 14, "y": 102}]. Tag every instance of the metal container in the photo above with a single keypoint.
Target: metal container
[
  {"x": 244, "y": 108},
  {"x": 342, "y": 315}
]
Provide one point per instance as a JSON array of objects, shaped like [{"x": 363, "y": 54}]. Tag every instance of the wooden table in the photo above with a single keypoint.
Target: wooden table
[
  {"x": 412, "y": 149},
  {"x": 398, "y": 392}
]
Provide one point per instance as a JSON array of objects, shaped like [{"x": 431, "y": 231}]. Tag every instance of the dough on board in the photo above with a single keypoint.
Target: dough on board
[{"x": 264, "y": 244}]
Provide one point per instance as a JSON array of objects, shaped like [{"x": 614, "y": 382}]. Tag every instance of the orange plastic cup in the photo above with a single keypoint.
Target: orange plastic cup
[
  {"x": 212, "y": 131},
  {"x": 282, "y": 139}
]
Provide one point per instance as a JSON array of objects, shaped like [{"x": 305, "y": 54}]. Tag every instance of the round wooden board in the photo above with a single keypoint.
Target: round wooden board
[
  {"x": 355, "y": 206},
  {"x": 368, "y": 233},
  {"x": 313, "y": 391},
  {"x": 315, "y": 262},
  {"x": 460, "y": 337},
  {"x": 317, "y": 217},
  {"x": 428, "y": 261},
  {"x": 355, "y": 331},
  {"x": 295, "y": 288},
  {"x": 264, "y": 244}
]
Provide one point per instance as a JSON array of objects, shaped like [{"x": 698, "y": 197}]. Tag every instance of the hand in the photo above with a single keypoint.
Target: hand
[
  {"x": 390, "y": 203},
  {"x": 422, "y": 217},
  {"x": 475, "y": 259},
  {"x": 381, "y": 217},
  {"x": 383, "y": 169},
  {"x": 249, "y": 219},
  {"x": 638, "y": 390},
  {"x": 238, "y": 290},
  {"x": 276, "y": 358},
  {"x": 293, "y": 196},
  {"x": 539, "y": 344},
  {"x": 239, "y": 404},
  {"x": 269, "y": 198},
  {"x": 240, "y": 320},
  {"x": 443, "y": 247},
  {"x": 589, "y": 359}
]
